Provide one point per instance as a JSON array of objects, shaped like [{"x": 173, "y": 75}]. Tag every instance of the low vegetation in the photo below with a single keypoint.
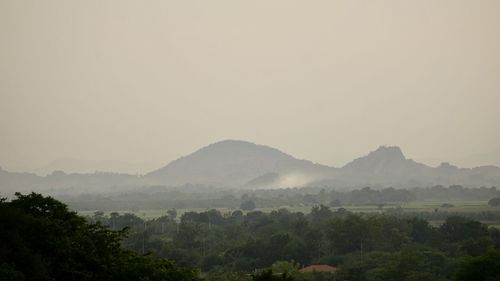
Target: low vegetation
[
  {"x": 43, "y": 240},
  {"x": 364, "y": 246}
]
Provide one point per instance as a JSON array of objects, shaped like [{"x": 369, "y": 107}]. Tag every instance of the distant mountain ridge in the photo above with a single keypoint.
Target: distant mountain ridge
[
  {"x": 241, "y": 164},
  {"x": 387, "y": 166},
  {"x": 234, "y": 163}
]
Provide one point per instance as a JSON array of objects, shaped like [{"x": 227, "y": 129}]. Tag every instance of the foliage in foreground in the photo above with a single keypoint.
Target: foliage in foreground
[
  {"x": 42, "y": 240},
  {"x": 486, "y": 267}
]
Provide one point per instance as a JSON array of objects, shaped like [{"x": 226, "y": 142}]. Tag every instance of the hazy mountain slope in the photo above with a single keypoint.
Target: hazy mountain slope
[
  {"x": 71, "y": 165},
  {"x": 384, "y": 166},
  {"x": 60, "y": 182},
  {"x": 234, "y": 163},
  {"x": 243, "y": 164},
  {"x": 17, "y": 182},
  {"x": 387, "y": 166},
  {"x": 446, "y": 174}
]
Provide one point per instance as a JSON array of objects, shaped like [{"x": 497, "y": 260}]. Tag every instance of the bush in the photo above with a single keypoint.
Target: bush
[
  {"x": 495, "y": 202},
  {"x": 248, "y": 205}
]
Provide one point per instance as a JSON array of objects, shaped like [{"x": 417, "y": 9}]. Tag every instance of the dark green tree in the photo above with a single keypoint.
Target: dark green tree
[
  {"x": 268, "y": 275},
  {"x": 482, "y": 268},
  {"x": 42, "y": 240},
  {"x": 247, "y": 205},
  {"x": 495, "y": 202}
]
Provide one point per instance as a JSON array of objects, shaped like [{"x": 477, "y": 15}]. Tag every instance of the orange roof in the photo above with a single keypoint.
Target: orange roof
[{"x": 319, "y": 268}]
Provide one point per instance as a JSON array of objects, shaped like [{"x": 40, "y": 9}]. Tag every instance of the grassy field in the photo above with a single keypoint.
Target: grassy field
[
  {"x": 417, "y": 206},
  {"x": 458, "y": 206}
]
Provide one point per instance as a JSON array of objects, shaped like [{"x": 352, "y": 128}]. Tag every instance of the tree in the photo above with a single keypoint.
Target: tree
[
  {"x": 486, "y": 267},
  {"x": 172, "y": 214},
  {"x": 458, "y": 228},
  {"x": 247, "y": 205},
  {"x": 290, "y": 268},
  {"x": 421, "y": 276},
  {"x": 495, "y": 202},
  {"x": 43, "y": 240},
  {"x": 268, "y": 275},
  {"x": 321, "y": 212},
  {"x": 336, "y": 203}
]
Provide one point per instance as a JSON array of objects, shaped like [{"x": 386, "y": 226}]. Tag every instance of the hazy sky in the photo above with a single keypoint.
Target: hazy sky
[{"x": 149, "y": 81}]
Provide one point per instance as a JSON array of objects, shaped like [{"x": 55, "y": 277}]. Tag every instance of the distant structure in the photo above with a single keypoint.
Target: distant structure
[{"x": 318, "y": 268}]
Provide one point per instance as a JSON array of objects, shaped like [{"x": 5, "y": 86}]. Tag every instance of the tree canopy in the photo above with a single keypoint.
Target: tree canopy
[{"x": 42, "y": 240}]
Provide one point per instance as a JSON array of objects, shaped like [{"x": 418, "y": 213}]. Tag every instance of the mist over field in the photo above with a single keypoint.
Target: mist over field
[{"x": 256, "y": 141}]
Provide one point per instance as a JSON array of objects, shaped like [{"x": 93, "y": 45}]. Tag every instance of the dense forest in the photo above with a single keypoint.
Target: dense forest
[
  {"x": 43, "y": 240},
  {"x": 362, "y": 246}
]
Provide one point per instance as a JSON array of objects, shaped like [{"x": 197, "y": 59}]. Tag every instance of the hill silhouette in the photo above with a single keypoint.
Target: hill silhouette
[
  {"x": 242, "y": 164},
  {"x": 234, "y": 163}
]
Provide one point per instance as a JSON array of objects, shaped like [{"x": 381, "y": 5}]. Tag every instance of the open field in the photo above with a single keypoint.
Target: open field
[
  {"x": 458, "y": 206},
  {"x": 417, "y": 206}
]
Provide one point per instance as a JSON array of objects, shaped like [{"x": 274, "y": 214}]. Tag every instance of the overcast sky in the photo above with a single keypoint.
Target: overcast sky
[{"x": 150, "y": 81}]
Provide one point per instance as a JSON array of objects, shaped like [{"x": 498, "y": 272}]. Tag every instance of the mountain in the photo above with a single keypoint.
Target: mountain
[
  {"x": 61, "y": 182},
  {"x": 241, "y": 164},
  {"x": 70, "y": 165},
  {"x": 234, "y": 163},
  {"x": 384, "y": 158},
  {"x": 387, "y": 166}
]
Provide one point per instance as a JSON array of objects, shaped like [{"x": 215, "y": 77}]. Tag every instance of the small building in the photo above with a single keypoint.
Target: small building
[{"x": 318, "y": 268}]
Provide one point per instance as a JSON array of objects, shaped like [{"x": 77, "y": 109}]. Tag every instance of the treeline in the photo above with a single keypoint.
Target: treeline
[
  {"x": 362, "y": 246},
  {"x": 441, "y": 214},
  {"x": 41, "y": 240},
  {"x": 203, "y": 197}
]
